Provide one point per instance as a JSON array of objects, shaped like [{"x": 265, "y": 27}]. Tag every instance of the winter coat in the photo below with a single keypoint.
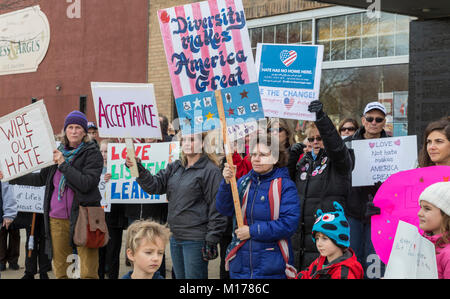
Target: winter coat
[
  {"x": 82, "y": 176},
  {"x": 442, "y": 256},
  {"x": 360, "y": 197},
  {"x": 260, "y": 257},
  {"x": 320, "y": 182},
  {"x": 156, "y": 275},
  {"x": 191, "y": 193},
  {"x": 8, "y": 204},
  {"x": 344, "y": 267}
]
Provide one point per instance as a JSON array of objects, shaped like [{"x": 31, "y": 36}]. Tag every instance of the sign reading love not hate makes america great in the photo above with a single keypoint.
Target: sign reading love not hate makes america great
[
  {"x": 126, "y": 110},
  {"x": 377, "y": 159},
  {"x": 27, "y": 141}
]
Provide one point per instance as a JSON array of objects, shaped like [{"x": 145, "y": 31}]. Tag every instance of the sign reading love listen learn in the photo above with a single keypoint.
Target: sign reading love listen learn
[{"x": 377, "y": 159}]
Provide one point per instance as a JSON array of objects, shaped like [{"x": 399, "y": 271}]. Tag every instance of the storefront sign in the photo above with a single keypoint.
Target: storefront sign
[{"x": 24, "y": 40}]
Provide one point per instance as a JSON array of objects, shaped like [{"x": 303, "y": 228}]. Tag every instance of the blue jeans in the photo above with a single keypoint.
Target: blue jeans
[
  {"x": 361, "y": 243},
  {"x": 187, "y": 259}
]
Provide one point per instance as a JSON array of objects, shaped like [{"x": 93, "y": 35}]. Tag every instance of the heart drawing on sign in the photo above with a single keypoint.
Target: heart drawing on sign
[
  {"x": 397, "y": 142},
  {"x": 288, "y": 57},
  {"x": 371, "y": 144},
  {"x": 165, "y": 18}
]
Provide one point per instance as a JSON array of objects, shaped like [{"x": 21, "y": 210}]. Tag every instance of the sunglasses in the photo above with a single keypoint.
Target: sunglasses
[
  {"x": 377, "y": 119},
  {"x": 311, "y": 139},
  {"x": 272, "y": 130},
  {"x": 348, "y": 129}
]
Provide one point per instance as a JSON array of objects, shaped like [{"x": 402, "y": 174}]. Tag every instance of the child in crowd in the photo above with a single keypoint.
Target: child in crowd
[
  {"x": 434, "y": 216},
  {"x": 331, "y": 233},
  {"x": 146, "y": 243}
]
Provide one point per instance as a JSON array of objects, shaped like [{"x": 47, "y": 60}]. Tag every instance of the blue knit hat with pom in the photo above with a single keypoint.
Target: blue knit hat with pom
[
  {"x": 78, "y": 118},
  {"x": 334, "y": 225}
]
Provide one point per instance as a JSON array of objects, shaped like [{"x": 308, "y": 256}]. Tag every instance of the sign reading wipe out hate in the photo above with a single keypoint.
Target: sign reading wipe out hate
[
  {"x": 126, "y": 110},
  {"x": 27, "y": 141}
]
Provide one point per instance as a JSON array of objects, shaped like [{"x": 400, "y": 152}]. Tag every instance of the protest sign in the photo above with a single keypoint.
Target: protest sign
[
  {"x": 289, "y": 79},
  {"x": 377, "y": 159},
  {"x": 122, "y": 187},
  {"x": 106, "y": 198},
  {"x": 126, "y": 110},
  {"x": 29, "y": 199},
  {"x": 207, "y": 49},
  {"x": 412, "y": 256},
  {"x": 398, "y": 199},
  {"x": 27, "y": 141}
]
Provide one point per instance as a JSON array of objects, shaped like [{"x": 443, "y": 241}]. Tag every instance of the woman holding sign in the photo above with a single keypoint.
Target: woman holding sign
[
  {"x": 72, "y": 182},
  {"x": 191, "y": 186},
  {"x": 261, "y": 248},
  {"x": 322, "y": 176}
]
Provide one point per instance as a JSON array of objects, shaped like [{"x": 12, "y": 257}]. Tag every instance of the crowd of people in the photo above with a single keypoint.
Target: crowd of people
[{"x": 301, "y": 217}]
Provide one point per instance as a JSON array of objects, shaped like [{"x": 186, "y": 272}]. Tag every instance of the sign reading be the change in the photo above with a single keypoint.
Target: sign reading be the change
[{"x": 27, "y": 141}]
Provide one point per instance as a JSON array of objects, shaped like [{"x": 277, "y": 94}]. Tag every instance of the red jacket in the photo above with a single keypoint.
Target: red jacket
[
  {"x": 243, "y": 166},
  {"x": 344, "y": 267}
]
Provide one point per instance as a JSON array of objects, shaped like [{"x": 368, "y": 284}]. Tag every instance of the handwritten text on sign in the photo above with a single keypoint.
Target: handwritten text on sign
[
  {"x": 126, "y": 110},
  {"x": 377, "y": 159},
  {"x": 207, "y": 46},
  {"x": 123, "y": 188},
  {"x": 26, "y": 141}
]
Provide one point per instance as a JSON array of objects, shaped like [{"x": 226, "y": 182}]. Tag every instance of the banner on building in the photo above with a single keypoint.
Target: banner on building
[
  {"x": 27, "y": 141},
  {"x": 126, "y": 110},
  {"x": 123, "y": 188},
  {"x": 207, "y": 49},
  {"x": 24, "y": 40},
  {"x": 289, "y": 79},
  {"x": 377, "y": 159},
  {"x": 412, "y": 256}
]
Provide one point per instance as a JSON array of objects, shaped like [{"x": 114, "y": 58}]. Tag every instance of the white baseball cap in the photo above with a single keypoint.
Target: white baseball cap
[{"x": 375, "y": 105}]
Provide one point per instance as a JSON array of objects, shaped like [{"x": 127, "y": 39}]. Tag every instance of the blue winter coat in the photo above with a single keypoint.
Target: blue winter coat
[{"x": 260, "y": 257}]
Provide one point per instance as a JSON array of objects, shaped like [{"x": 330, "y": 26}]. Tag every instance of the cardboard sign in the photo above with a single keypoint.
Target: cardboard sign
[
  {"x": 289, "y": 79},
  {"x": 122, "y": 187},
  {"x": 126, "y": 110},
  {"x": 398, "y": 200},
  {"x": 106, "y": 198},
  {"x": 412, "y": 256},
  {"x": 29, "y": 198},
  {"x": 377, "y": 159},
  {"x": 27, "y": 141}
]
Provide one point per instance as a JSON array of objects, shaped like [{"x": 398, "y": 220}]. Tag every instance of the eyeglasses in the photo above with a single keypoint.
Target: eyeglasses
[
  {"x": 377, "y": 119},
  {"x": 348, "y": 129},
  {"x": 279, "y": 130},
  {"x": 311, "y": 139}
]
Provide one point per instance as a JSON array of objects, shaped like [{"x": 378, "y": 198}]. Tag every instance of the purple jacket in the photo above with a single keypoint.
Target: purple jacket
[{"x": 442, "y": 257}]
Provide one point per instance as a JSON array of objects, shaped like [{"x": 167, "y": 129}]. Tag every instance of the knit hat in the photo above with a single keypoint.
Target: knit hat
[
  {"x": 78, "y": 118},
  {"x": 375, "y": 105},
  {"x": 438, "y": 195},
  {"x": 334, "y": 225}
]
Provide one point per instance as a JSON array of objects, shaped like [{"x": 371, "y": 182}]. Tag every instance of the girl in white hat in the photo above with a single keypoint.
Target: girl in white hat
[{"x": 434, "y": 216}]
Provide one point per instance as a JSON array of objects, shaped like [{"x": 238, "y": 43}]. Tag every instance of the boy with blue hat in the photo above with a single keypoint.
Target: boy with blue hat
[{"x": 331, "y": 233}]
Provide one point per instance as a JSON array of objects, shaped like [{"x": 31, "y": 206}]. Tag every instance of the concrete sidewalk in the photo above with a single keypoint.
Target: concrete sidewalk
[{"x": 213, "y": 267}]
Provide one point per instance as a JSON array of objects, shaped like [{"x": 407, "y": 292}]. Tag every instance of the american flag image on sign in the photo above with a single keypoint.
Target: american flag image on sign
[
  {"x": 288, "y": 102},
  {"x": 288, "y": 57}
]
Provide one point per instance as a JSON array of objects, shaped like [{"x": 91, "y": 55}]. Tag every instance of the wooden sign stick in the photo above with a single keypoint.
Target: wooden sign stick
[
  {"x": 130, "y": 152},
  {"x": 229, "y": 157}
]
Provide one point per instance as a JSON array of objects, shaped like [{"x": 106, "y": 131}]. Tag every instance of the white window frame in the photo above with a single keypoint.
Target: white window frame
[{"x": 324, "y": 13}]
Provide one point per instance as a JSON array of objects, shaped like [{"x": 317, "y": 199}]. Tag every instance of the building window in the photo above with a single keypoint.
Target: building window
[{"x": 344, "y": 37}]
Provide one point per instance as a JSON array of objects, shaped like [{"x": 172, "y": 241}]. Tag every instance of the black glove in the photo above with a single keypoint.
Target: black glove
[
  {"x": 209, "y": 251},
  {"x": 297, "y": 149},
  {"x": 316, "y": 107},
  {"x": 371, "y": 209}
]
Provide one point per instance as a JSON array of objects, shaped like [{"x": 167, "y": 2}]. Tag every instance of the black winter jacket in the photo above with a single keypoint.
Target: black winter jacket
[
  {"x": 359, "y": 198},
  {"x": 82, "y": 176},
  {"x": 191, "y": 193},
  {"x": 319, "y": 183}
]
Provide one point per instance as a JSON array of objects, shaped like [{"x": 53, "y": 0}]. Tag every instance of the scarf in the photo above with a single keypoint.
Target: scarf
[{"x": 68, "y": 157}]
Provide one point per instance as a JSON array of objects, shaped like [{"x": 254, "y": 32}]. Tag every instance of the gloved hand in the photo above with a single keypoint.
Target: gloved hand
[
  {"x": 209, "y": 251},
  {"x": 316, "y": 107},
  {"x": 371, "y": 209},
  {"x": 297, "y": 149}
]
